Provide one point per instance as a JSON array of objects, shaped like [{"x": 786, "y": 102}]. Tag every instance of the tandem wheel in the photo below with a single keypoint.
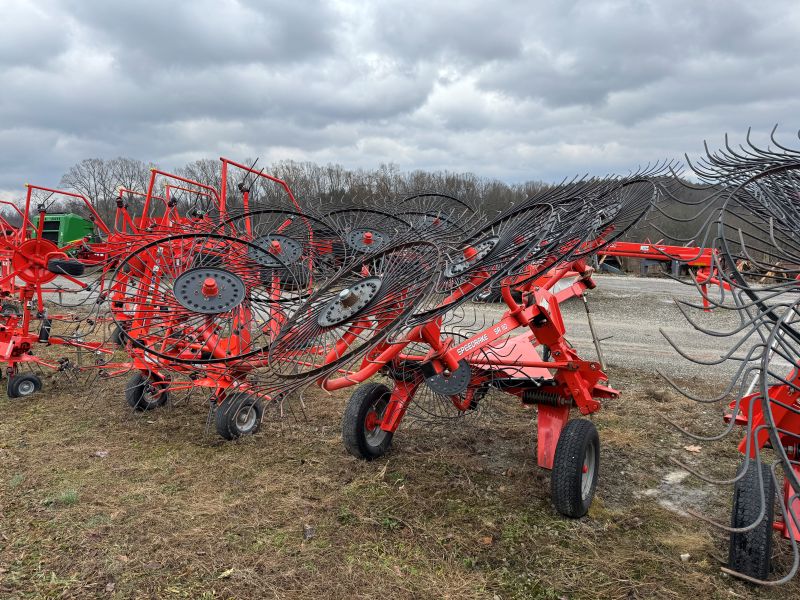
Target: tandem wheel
[
  {"x": 750, "y": 551},
  {"x": 237, "y": 415},
  {"x": 141, "y": 394},
  {"x": 361, "y": 423},
  {"x": 575, "y": 468},
  {"x": 20, "y": 386}
]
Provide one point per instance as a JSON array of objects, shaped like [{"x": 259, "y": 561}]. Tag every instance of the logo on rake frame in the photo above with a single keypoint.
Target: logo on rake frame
[{"x": 472, "y": 344}]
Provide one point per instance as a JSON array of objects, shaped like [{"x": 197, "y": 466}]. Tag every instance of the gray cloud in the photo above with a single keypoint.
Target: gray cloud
[{"x": 517, "y": 90}]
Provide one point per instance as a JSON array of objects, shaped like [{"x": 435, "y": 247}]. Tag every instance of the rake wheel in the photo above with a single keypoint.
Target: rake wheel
[
  {"x": 440, "y": 218},
  {"x": 174, "y": 306},
  {"x": 355, "y": 310},
  {"x": 367, "y": 230},
  {"x": 299, "y": 242}
]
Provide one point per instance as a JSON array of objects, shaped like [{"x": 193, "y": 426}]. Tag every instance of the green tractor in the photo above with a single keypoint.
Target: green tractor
[{"x": 64, "y": 228}]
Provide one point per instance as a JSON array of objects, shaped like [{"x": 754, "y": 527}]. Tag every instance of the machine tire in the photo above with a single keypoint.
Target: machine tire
[
  {"x": 368, "y": 402},
  {"x": 750, "y": 552},
  {"x": 65, "y": 266},
  {"x": 118, "y": 336},
  {"x": 139, "y": 395},
  {"x": 576, "y": 466},
  {"x": 20, "y": 386},
  {"x": 237, "y": 415},
  {"x": 10, "y": 308}
]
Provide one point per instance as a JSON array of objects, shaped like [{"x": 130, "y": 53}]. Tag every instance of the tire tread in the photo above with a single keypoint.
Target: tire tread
[
  {"x": 565, "y": 482},
  {"x": 353, "y": 417},
  {"x": 750, "y": 551}
]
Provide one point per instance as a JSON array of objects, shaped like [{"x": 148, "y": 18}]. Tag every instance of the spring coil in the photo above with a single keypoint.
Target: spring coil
[{"x": 538, "y": 396}]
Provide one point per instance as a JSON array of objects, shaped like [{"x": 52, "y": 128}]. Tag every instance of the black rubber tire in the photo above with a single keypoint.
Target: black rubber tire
[
  {"x": 140, "y": 397},
  {"x": 20, "y": 386},
  {"x": 118, "y": 336},
  {"x": 65, "y": 266},
  {"x": 10, "y": 308},
  {"x": 750, "y": 552},
  {"x": 571, "y": 494},
  {"x": 238, "y": 415},
  {"x": 369, "y": 397}
]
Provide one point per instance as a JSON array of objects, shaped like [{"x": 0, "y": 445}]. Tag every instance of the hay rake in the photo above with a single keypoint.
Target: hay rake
[
  {"x": 751, "y": 221},
  {"x": 126, "y": 259},
  {"x": 391, "y": 312},
  {"x": 31, "y": 263},
  {"x": 251, "y": 297},
  {"x": 198, "y": 310}
]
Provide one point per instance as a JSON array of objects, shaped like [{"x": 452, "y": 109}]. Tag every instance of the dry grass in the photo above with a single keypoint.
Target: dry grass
[{"x": 97, "y": 502}]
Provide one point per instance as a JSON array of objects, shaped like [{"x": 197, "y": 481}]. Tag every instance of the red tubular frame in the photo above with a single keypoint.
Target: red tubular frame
[
  {"x": 224, "y": 182},
  {"x": 151, "y": 186},
  {"x": 96, "y": 218},
  {"x": 692, "y": 256}
]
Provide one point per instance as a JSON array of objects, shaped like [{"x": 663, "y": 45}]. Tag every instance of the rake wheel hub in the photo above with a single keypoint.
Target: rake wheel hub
[
  {"x": 209, "y": 290},
  {"x": 349, "y": 302},
  {"x": 366, "y": 240},
  {"x": 275, "y": 250},
  {"x": 472, "y": 255}
]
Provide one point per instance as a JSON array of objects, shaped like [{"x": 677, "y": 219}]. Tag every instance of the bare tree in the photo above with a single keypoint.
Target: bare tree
[{"x": 99, "y": 180}]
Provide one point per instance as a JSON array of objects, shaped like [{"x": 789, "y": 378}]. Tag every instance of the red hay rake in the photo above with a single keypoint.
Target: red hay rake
[
  {"x": 251, "y": 297},
  {"x": 393, "y": 311},
  {"x": 30, "y": 264},
  {"x": 750, "y": 219}
]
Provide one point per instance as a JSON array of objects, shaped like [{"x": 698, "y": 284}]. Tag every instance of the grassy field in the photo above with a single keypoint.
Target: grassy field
[{"x": 98, "y": 502}]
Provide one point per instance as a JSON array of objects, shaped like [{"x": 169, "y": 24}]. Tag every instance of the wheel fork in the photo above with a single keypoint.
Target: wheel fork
[{"x": 402, "y": 395}]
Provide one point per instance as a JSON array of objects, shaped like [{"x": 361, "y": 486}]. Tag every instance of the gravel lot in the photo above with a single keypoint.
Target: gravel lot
[{"x": 629, "y": 315}]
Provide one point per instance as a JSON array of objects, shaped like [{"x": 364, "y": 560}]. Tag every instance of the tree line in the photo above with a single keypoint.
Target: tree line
[{"x": 99, "y": 180}]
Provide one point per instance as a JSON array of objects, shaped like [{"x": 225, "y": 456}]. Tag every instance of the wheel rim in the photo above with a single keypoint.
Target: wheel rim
[
  {"x": 246, "y": 418},
  {"x": 25, "y": 388},
  {"x": 150, "y": 395},
  {"x": 587, "y": 471},
  {"x": 373, "y": 434}
]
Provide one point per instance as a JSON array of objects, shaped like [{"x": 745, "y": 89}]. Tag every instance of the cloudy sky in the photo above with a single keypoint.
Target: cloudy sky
[{"x": 511, "y": 89}]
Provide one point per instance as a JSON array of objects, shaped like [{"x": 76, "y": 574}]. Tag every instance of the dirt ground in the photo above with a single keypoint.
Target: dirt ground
[{"x": 99, "y": 502}]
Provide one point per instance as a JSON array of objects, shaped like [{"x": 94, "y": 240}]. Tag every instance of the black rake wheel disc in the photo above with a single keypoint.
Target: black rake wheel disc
[
  {"x": 350, "y": 302},
  {"x": 355, "y": 310},
  {"x": 366, "y": 230},
  {"x": 482, "y": 250},
  {"x": 367, "y": 239},
  {"x": 209, "y": 290},
  {"x": 468, "y": 386},
  {"x": 271, "y": 246},
  {"x": 292, "y": 239}
]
